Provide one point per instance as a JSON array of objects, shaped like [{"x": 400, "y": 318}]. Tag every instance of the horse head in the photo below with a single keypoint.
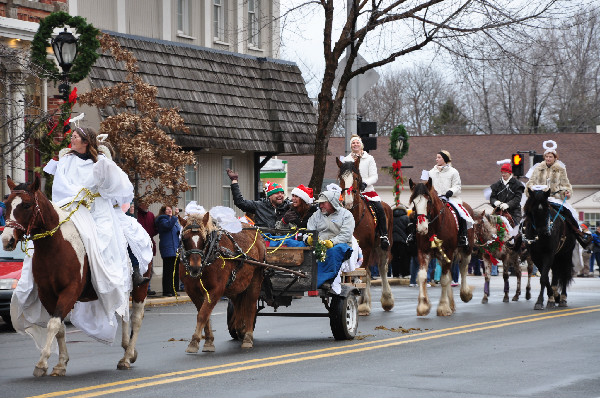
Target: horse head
[
  {"x": 350, "y": 181},
  {"x": 195, "y": 237},
  {"x": 23, "y": 213},
  {"x": 422, "y": 197},
  {"x": 537, "y": 210},
  {"x": 483, "y": 229}
]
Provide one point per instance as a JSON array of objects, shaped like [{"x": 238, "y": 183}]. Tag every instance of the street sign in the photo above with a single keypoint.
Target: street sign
[{"x": 365, "y": 81}]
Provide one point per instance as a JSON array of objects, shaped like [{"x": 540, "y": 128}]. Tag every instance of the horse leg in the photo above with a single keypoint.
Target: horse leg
[
  {"x": 505, "y": 276},
  {"x": 209, "y": 338},
  {"x": 487, "y": 270},
  {"x": 364, "y": 308},
  {"x": 445, "y": 307},
  {"x": 517, "y": 265},
  {"x": 466, "y": 292},
  {"x": 544, "y": 287},
  {"x": 529, "y": 273},
  {"x": 387, "y": 299},
  {"x": 423, "y": 305},
  {"x": 63, "y": 356},
  {"x": 52, "y": 329},
  {"x": 202, "y": 319},
  {"x": 129, "y": 341}
]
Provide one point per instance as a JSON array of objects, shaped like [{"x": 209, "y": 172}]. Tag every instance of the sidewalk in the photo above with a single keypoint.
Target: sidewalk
[{"x": 157, "y": 301}]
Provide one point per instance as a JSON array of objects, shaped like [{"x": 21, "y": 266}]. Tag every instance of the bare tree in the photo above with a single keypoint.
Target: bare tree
[{"x": 392, "y": 29}]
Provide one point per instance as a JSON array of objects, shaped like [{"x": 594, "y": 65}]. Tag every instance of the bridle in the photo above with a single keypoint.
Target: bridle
[{"x": 37, "y": 212}]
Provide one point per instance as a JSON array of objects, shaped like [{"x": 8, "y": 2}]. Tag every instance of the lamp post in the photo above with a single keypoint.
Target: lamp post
[{"x": 65, "y": 51}]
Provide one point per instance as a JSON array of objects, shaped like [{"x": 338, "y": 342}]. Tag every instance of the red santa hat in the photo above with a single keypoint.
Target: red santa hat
[
  {"x": 304, "y": 193},
  {"x": 272, "y": 187}
]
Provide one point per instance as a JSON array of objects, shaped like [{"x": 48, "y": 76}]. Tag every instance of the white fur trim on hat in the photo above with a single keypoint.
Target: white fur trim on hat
[{"x": 302, "y": 195}]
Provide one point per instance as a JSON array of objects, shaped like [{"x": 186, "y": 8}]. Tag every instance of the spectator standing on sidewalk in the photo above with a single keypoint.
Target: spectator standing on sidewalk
[
  {"x": 146, "y": 218},
  {"x": 400, "y": 264}
]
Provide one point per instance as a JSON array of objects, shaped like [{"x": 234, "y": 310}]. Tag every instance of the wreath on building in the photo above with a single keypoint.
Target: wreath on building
[
  {"x": 398, "y": 148},
  {"x": 86, "y": 46}
]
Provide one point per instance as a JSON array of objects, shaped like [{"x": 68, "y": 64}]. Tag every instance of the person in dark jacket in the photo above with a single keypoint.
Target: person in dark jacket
[
  {"x": 507, "y": 193},
  {"x": 400, "y": 264},
  {"x": 168, "y": 234},
  {"x": 146, "y": 218},
  {"x": 301, "y": 210},
  {"x": 266, "y": 211}
]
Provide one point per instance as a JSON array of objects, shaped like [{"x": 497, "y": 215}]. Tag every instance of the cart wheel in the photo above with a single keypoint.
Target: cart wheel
[
  {"x": 343, "y": 317},
  {"x": 232, "y": 332}
]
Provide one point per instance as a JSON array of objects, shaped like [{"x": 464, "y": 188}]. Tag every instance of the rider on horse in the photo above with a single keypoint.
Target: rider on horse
[
  {"x": 507, "y": 193},
  {"x": 446, "y": 182},
  {"x": 368, "y": 173}
]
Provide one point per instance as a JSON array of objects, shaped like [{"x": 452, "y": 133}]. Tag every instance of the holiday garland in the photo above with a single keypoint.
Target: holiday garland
[
  {"x": 495, "y": 246},
  {"x": 397, "y": 152},
  {"x": 87, "y": 45}
]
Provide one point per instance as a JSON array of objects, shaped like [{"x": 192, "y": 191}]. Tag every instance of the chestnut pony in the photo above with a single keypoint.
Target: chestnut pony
[
  {"x": 60, "y": 276},
  {"x": 435, "y": 222},
  {"x": 366, "y": 234},
  {"x": 212, "y": 266}
]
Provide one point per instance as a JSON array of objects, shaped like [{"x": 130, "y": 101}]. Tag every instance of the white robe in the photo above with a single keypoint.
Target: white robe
[{"x": 102, "y": 231}]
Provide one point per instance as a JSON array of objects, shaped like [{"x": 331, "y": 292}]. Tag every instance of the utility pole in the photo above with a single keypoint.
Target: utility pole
[{"x": 350, "y": 101}]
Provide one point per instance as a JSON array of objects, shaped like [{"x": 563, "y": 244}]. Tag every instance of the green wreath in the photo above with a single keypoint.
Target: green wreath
[
  {"x": 398, "y": 150},
  {"x": 86, "y": 46}
]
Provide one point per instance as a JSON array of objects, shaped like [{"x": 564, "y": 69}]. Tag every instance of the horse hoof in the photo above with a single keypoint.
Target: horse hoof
[
  {"x": 538, "y": 306},
  {"x": 364, "y": 310},
  {"x": 58, "y": 372},
  {"x": 466, "y": 296},
  {"x": 208, "y": 347},
  {"x": 515, "y": 298},
  {"x": 387, "y": 301},
  {"x": 39, "y": 372},
  {"x": 123, "y": 365},
  {"x": 423, "y": 310},
  {"x": 563, "y": 303},
  {"x": 484, "y": 300},
  {"x": 528, "y": 296},
  {"x": 550, "y": 306},
  {"x": 505, "y": 299},
  {"x": 192, "y": 348},
  {"x": 444, "y": 312}
]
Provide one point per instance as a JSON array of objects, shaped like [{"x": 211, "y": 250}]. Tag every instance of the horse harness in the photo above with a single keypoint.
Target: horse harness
[
  {"x": 212, "y": 250},
  {"x": 36, "y": 212}
]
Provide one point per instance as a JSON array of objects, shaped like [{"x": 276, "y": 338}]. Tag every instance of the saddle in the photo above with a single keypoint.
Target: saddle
[{"x": 371, "y": 208}]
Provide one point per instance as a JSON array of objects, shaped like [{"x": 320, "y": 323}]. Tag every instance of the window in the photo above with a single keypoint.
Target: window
[
  {"x": 191, "y": 178},
  {"x": 226, "y": 182},
  {"x": 183, "y": 17},
  {"x": 219, "y": 20},
  {"x": 591, "y": 220},
  {"x": 253, "y": 30}
]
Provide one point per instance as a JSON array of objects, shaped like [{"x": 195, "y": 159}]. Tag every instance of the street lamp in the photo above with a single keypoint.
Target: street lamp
[{"x": 65, "y": 51}]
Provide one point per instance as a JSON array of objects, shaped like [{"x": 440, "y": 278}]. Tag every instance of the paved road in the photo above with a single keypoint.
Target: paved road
[{"x": 494, "y": 350}]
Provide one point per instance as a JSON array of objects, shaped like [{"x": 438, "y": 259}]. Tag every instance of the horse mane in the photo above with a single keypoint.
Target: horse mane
[
  {"x": 22, "y": 187},
  {"x": 347, "y": 167},
  {"x": 199, "y": 219},
  {"x": 419, "y": 189}
]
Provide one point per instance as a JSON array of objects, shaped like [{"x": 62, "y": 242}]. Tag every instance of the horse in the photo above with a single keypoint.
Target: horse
[
  {"x": 491, "y": 239},
  {"x": 437, "y": 236},
  {"x": 61, "y": 270},
  {"x": 551, "y": 249},
  {"x": 216, "y": 263},
  {"x": 366, "y": 234}
]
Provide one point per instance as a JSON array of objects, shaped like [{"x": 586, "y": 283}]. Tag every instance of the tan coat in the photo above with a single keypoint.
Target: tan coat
[{"x": 555, "y": 177}]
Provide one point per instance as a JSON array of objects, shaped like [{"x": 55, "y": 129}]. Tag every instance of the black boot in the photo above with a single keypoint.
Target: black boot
[
  {"x": 463, "y": 240},
  {"x": 382, "y": 225},
  {"x": 136, "y": 277}
]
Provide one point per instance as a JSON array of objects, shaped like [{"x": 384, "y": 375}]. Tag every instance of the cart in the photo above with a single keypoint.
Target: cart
[{"x": 294, "y": 275}]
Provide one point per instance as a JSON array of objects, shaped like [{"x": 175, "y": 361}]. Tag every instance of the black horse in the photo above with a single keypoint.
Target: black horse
[{"x": 550, "y": 242}]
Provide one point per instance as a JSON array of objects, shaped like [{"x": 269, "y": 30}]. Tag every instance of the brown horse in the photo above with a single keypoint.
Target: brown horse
[
  {"x": 437, "y": 236},
  {"x": 60, "y": 271},
  {"x": 366, "y": 234},
  {"x": 212, "y": 266},
  {"x": 491, "y": 239}
]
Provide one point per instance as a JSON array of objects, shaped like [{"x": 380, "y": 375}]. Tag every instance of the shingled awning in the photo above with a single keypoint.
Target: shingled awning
[{"x": 229, "y": 101}]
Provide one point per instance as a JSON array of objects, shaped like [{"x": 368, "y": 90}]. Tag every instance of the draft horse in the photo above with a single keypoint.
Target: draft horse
[
  {"x": 491, "y": 240},
  {"x": 216, "y": 263},
  {"x": 365, "y": 233},
  {"x": 60, "y": 270},
  {"x": 436, "y": 222},
  {"x": 551, "y": 248}
]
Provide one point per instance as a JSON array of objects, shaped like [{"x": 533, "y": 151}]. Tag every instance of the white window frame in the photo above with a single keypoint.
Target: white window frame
[
  {"x": 219, "y": 20},
  {"x": 183, "y": 17},
  {"x": 226, "y": 197},
  {"x": 253, "y": 23},
  {"x": 191, "y": 176}
]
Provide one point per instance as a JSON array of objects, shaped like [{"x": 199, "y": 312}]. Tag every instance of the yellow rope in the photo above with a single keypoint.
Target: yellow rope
[{"x": 174, "y": 267}]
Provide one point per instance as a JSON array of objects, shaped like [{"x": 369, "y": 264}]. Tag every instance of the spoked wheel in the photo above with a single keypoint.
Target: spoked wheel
[{"x": 343, "y": 317}]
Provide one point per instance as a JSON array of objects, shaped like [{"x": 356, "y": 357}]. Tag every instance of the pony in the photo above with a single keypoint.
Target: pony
[
  {"x": 491, "y": 239},
  {"x": 61, "y": 270},
  {"x": 551, "y": 248},
  {"x": 366, "y": 234},
  {"x": 216, "y": 263},
  {"x": 437, "y": 236}
]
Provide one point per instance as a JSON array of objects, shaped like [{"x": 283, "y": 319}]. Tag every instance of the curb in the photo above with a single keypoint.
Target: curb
[
  {"x": 152, "y": 301},
  {"x": 392, "y": 281}
]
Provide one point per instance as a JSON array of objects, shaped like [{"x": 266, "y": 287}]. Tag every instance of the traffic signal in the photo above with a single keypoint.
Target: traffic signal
[
  {"x": 517, "y": 165},
  {"x": 364, "y": 130},
  {"x": 538, "y": 158}
]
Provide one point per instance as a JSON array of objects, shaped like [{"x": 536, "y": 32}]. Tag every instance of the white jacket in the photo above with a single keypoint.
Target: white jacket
[
  {"x": 446, "y": 180},
  {"x": 368, "y": 171}
]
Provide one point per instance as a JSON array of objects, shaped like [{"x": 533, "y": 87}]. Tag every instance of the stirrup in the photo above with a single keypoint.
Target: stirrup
[{"x": 463, "y": 241}]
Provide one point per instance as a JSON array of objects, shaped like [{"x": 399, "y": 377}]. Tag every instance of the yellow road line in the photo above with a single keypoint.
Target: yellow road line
[{"x": 314, "y": 354}]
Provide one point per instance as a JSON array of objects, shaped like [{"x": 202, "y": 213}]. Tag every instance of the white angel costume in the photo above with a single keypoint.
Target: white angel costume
[{"x": 105, "y": 232}]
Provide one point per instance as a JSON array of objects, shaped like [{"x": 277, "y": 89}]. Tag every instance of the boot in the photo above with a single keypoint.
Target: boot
[
  {"x": 382, "y": 225},
  {"x": 138, "y": 279},
  {"x": 463, "y": 240}
]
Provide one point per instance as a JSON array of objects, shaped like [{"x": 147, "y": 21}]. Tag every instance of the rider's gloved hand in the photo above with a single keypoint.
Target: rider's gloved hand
[
  {"x": 363, "y": 186},
  {"x": 449, "y": 193},
  {"x": 232, "y": 174},
  {"x": 328, "y": 244},
  {"x": 497, "y": 203},
  {"x": 503, "y": 206}
]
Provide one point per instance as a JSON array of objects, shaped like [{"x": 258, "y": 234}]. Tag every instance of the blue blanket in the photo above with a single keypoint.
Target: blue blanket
[{"x": 328, "y": 269}]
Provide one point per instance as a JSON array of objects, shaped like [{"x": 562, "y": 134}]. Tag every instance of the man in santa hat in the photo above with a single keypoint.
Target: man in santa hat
[
  {"x": 507, "y": 193},
  {"x": 266, "y": 211}
]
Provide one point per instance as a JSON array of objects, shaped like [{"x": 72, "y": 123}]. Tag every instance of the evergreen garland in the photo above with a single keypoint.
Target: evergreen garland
[
  {"x": 395, "y": 152},
  {"x": 87, "y": 45}
]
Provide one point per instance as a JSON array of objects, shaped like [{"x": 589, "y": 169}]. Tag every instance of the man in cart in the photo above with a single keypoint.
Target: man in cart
[{"x": 335, "y": 226}]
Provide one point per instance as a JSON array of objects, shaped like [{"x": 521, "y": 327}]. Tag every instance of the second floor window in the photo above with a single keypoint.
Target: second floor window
[
  {"x": 219, "y": 20},
  {"x": 253, "y": 29},
  {"x": 183, "y": 16},
  {"x": 191, "y": 177}
]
